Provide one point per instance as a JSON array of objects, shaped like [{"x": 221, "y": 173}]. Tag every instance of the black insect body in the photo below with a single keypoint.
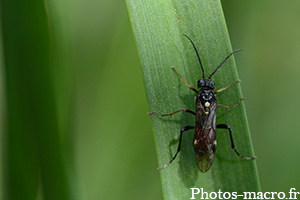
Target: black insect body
[{"x": 205, "y": 138}]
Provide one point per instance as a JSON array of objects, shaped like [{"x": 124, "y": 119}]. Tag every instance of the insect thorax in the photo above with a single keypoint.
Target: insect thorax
[
  {"x": 206, "y": 97},
  {"x": 205, "y": 101}
]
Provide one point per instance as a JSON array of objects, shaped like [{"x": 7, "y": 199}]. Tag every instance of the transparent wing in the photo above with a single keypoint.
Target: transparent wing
[{"x": 205, "y": 161}]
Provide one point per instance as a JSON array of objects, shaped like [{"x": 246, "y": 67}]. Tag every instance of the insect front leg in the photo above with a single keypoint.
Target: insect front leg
[
  {"x": 185, "y": 80},
  {"x": 186, "y": 128},
  {"x": 177, "y": 111},
  {"x": 225, "y": 126},
  {"x": 222, "y": 89}
]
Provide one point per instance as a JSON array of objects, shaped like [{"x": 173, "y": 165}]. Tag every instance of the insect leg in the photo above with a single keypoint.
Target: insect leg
[
  {"x": 226, "y": 107},
  {"x": 184, "y": 109},
  {"x": 225, "y": 126},
  {"x": 186, "y": 128},
  {"x": 185, "y": 81},
  {"x": 222, "y": 89}
]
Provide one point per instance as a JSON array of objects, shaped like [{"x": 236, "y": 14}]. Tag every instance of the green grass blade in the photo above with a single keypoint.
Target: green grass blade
[
  {"x": 158, "y": 27},
  {"x": 34, "y": 154}
]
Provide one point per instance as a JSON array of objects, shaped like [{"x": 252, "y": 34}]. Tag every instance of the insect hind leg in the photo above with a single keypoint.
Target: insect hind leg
[
  {"x": 225, "y": 126},
  {"x": 186, "y": 128}
]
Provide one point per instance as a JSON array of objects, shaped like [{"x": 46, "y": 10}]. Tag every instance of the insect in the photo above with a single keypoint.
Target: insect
[{"x": 205, "y": 137}]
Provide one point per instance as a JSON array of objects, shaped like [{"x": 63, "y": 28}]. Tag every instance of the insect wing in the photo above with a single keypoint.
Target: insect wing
[
  {"x": 205, "y": 149},
  {"x": 204, "y": 162},
  {"x": 205, "y": 139}
]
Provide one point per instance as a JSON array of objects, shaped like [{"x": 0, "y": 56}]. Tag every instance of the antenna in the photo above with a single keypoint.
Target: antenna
[
  {"x": 196, "y": 53},
  {"x": 224, "y": 61}
]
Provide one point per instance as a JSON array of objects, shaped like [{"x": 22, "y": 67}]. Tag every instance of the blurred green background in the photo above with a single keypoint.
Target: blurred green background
[{"x": 113, "y": 154}]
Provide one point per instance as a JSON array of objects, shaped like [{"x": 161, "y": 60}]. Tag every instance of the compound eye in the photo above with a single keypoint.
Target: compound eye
[
  {"x": 201, "y": 83},
  {"x": 212, "y": 85}
]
